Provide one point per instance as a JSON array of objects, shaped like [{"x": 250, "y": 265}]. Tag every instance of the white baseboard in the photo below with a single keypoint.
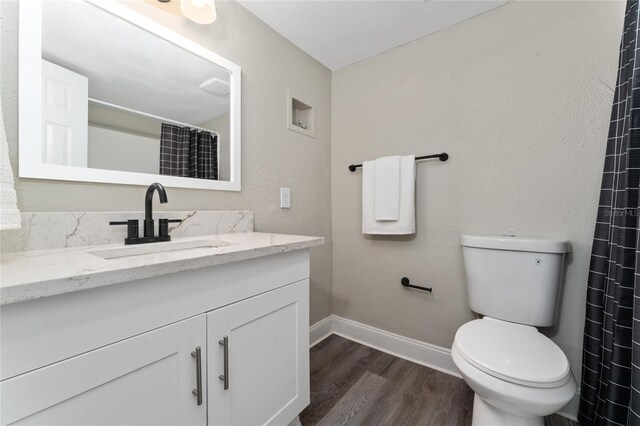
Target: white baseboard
[
  {"x": 422, "y": 353},
  {"x": 431, "y": 356},
  {"x": 320, "y": 331}
]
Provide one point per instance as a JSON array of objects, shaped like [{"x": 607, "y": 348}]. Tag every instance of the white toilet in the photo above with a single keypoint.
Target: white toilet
[{"x": 518, "y": 375}]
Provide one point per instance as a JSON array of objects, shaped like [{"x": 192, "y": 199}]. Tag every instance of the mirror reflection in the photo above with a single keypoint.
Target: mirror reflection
[{"x": 117, "y": 97}]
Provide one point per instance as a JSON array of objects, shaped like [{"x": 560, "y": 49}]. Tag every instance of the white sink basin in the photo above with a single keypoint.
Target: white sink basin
[{"x": 150, "y": 248}]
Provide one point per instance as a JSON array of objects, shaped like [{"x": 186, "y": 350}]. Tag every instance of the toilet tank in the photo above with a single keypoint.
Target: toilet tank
[{"x": 515, "y": 279}]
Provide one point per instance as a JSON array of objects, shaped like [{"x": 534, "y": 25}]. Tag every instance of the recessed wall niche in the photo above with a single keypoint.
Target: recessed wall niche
[{"x": 301, "y": 116}]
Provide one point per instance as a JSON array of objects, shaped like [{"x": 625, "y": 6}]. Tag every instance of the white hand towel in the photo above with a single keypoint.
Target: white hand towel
[
  {"x": 387, "y": 188},
  {"x": 406, "y": 223}
]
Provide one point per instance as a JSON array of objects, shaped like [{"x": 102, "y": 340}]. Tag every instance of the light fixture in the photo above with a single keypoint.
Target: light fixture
[{"x": 199, "y": 11}]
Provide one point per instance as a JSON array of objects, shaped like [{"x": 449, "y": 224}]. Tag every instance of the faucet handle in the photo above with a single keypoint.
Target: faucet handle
[
  {"x": 164, "y": 225},
  {"x": 132, "y": 227}
]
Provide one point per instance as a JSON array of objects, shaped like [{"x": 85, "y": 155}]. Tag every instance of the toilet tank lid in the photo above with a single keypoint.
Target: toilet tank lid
[{"x": 515, "y": 243}]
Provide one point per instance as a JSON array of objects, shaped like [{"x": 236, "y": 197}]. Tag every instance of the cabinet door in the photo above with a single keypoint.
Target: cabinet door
[
  {"x": 147, "y": 379},
  {"x": 267, "y": 358}
]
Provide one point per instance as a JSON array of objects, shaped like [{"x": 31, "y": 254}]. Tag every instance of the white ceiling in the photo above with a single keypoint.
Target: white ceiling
[
  {"x": 339, "y": 33},
  {"x": 129, "y": 66}
]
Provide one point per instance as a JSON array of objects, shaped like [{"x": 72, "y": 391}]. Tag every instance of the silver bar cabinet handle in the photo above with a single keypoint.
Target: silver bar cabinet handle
[
  {"x": 197, "y": 354},
  {"x": 225, "y": 377}
]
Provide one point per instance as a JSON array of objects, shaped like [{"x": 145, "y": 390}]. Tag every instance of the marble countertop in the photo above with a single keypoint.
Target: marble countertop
[{"x": 35, "y": 274}]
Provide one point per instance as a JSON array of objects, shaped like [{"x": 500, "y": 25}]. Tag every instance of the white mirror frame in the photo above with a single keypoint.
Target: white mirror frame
[{"x": 30, "y": 108}]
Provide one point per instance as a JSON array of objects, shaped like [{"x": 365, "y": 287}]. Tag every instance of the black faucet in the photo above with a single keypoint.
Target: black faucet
[
  {"x": 133, "y": 237},
  {"x": 149, "y": 230}
]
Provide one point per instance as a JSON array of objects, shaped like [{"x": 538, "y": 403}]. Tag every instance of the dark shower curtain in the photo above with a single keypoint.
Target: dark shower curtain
[
  {"x": 610, "y": 391},
  {"x": 188, "y": 152}
]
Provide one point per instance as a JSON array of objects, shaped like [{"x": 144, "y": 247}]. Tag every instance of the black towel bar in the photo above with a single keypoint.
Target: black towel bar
[
  {"x": 442, "y": 157},
  {"x": 405, "y": 282}
]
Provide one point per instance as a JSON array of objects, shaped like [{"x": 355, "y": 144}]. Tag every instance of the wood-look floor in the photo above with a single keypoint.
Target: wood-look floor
[{"x": 353, "y": 384}]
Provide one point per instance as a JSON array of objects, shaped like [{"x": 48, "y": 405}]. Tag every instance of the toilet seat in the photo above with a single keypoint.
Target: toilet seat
[
  {"x": 512, "y": 398},
  {"x": 513, "y": 352}
]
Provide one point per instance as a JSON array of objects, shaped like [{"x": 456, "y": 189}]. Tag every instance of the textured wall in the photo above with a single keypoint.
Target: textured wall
[
  {"x": 520, "y": 98},
  {"x": 270, "y": 65}
]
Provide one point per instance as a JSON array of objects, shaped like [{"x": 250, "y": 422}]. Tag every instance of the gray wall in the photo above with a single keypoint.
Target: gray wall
[
  {"x": 520, "y": 98},
  {"x": 270, "y": 65},
  {"x": 117, "y": 150},
  {"x": 221, "y": 124}
]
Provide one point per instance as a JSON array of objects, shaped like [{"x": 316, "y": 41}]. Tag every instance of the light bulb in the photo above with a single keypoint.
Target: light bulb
[{"x": 199, "y": 11}]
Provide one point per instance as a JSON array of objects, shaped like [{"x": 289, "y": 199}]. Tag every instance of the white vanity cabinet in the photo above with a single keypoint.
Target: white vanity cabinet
[
  {"x": 135, "y": 360},
  {"x": 266, "y": 362},
  {"x": 143, "y": 380}
]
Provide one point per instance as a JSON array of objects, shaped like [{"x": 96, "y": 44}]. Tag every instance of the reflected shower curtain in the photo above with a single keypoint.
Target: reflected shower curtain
[
  {"x": 610, "y": 391},
  {"x": 188, "y": 152}
]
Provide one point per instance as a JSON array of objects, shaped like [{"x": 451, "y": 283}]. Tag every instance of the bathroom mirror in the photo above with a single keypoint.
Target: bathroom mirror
[{"x": 108, "y": 95}]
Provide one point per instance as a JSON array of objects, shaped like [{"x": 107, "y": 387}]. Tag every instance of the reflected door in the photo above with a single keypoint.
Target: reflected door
[{"x": 65, "y": 97}]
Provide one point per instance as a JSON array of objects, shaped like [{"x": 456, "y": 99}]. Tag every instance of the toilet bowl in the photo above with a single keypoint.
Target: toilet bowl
[{"x": 518, "y": 375}]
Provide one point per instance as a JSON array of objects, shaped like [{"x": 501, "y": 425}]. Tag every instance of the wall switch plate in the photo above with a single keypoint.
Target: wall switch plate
[{"x": 285, "y": 198}]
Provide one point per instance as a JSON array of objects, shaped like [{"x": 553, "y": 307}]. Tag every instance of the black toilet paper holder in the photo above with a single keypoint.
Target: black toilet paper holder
[{"x": 406, "y": 283}]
